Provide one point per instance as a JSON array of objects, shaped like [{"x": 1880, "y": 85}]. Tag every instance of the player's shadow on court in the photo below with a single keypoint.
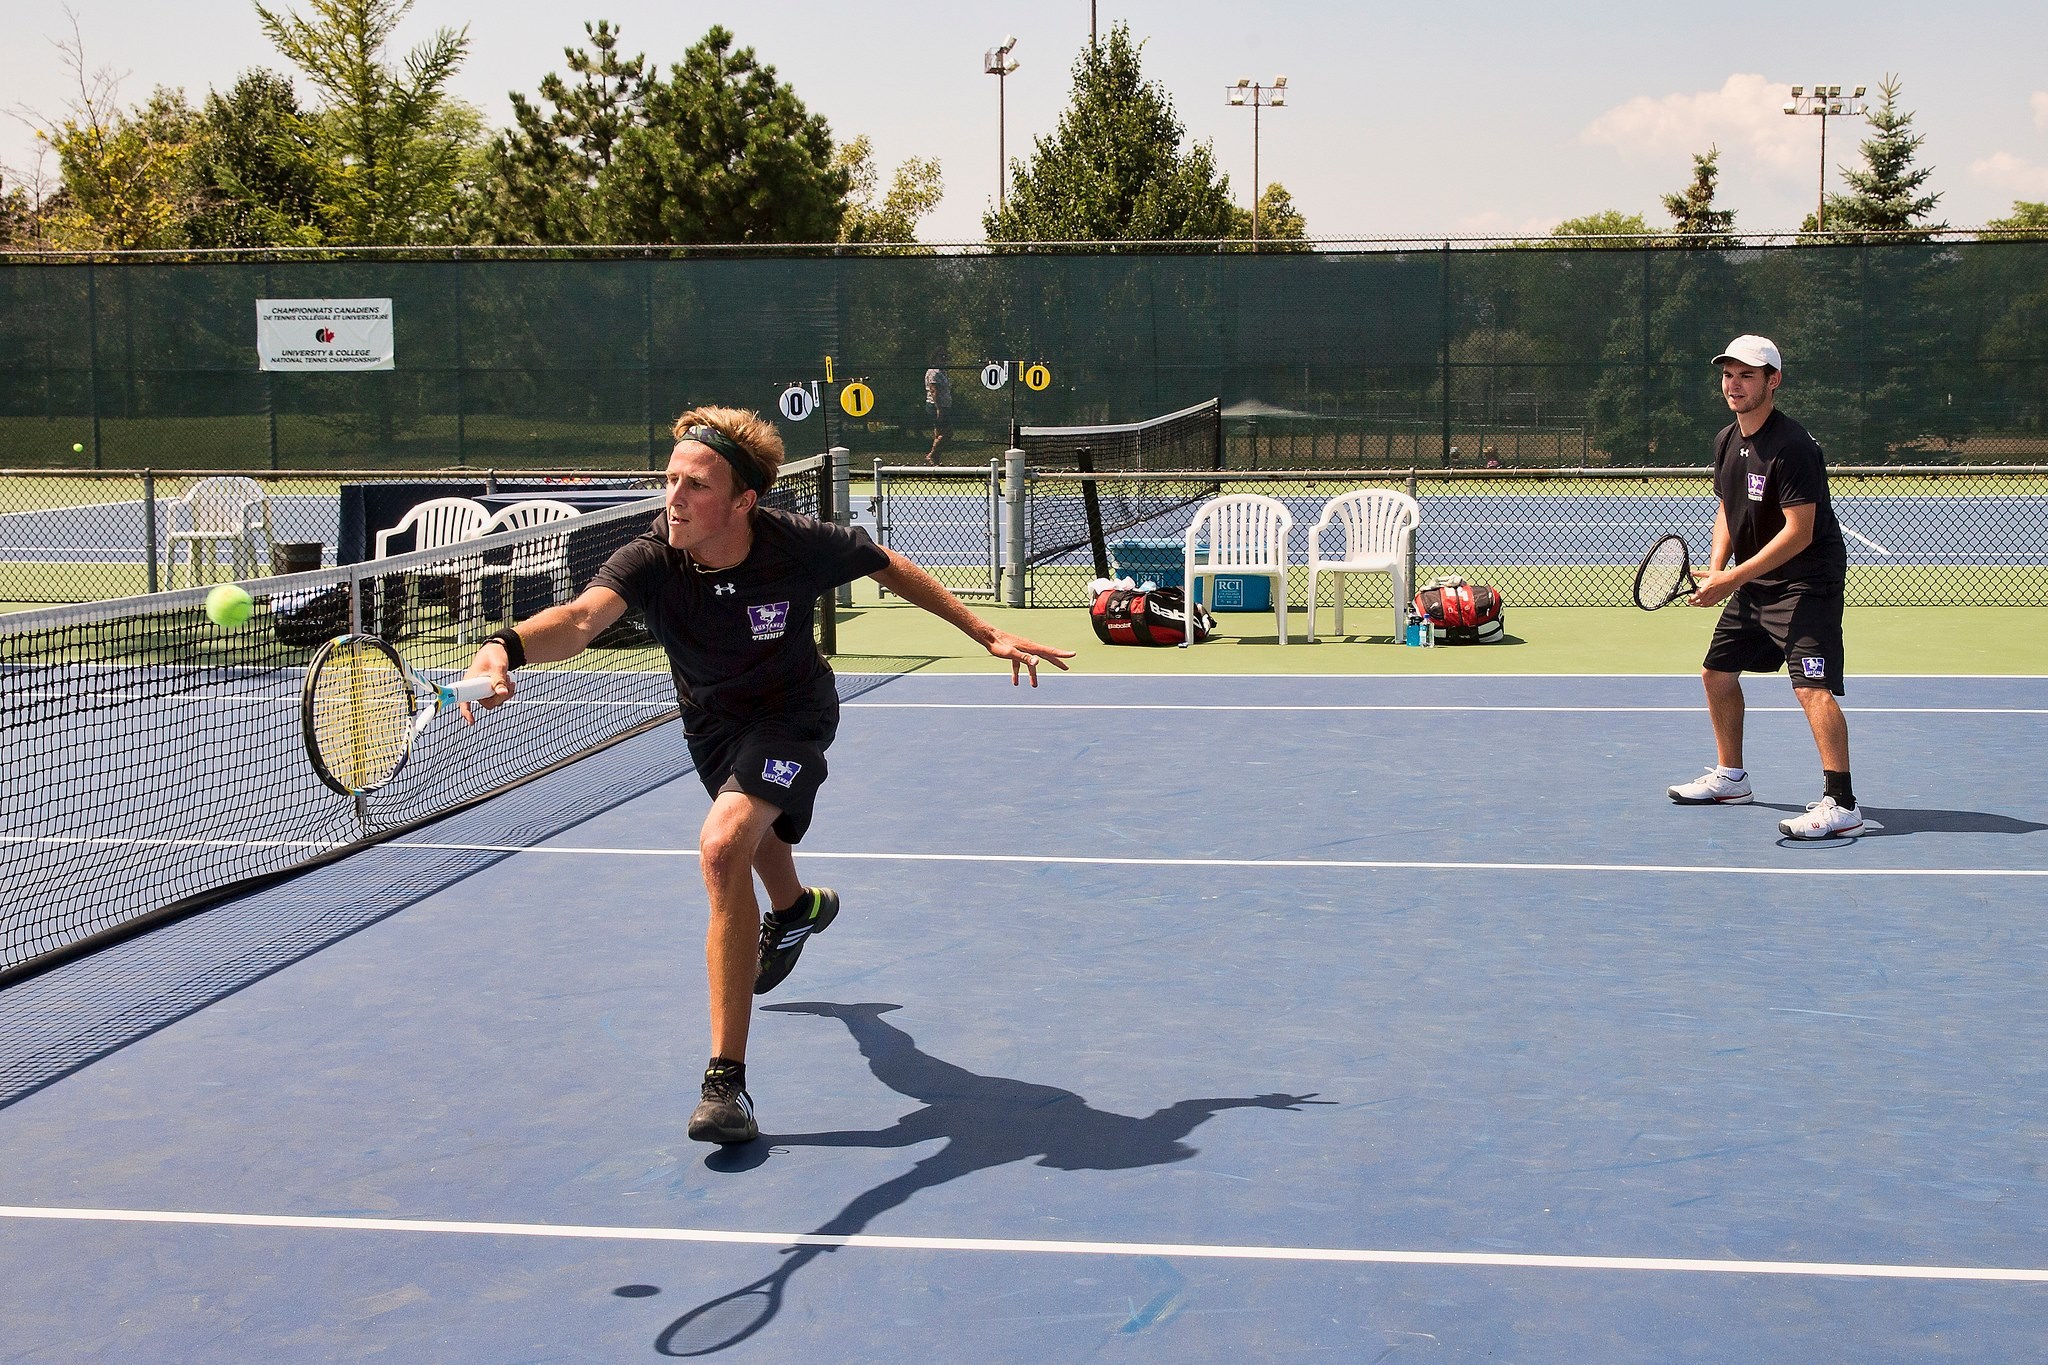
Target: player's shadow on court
[
  {"x": 985, "y": 1122},
  {"x": 1883, "y": 821}
]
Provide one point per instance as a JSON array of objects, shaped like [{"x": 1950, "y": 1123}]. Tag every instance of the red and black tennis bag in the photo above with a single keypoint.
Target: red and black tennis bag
[
  {"x": 1122, "y": 616},
  {"x": 1461, "y": 613}
]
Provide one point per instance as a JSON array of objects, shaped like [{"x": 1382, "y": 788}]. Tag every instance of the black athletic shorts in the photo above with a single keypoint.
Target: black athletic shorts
[
  {"x": 780, "y": 759},
  {"x": 1796, "y": 628}
]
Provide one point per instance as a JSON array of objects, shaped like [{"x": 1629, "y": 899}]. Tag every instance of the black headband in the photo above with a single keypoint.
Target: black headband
[{"x": 734, "y": 454}]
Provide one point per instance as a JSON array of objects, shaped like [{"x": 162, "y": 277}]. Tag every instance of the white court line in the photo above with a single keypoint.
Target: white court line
[
  {"x": 1866, "y": 540},
  {"x": 1065, "y": 860},
  {"x": 1693, "y": 709},
  {"x": 1039, "y": 1247},
  {"x": 1267, "y": 864}
]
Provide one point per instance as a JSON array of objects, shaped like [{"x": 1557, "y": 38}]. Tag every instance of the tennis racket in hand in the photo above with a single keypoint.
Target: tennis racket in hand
[
  {"x": 1665, "y": 574},
  {"x": 362, "y": 708}
]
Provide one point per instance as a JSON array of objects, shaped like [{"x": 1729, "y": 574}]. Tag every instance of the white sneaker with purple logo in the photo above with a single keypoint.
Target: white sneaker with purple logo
[{"x": 1823, "y": 820}]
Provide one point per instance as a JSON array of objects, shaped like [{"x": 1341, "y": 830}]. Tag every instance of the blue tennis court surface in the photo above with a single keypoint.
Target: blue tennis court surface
[{"x": 1168, "y": 1019}]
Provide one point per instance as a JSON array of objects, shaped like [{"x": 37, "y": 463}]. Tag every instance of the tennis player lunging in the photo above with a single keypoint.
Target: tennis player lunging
[
  {"x": 1779, "y": 563},
  {"x": 729, "y": 589}
]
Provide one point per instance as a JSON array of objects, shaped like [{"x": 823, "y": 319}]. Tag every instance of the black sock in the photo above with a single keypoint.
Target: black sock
[
  {"x": 794, "y": 909},
  {"x": 1837, "y": 785},
  {"x": 723, "y": 1068}
]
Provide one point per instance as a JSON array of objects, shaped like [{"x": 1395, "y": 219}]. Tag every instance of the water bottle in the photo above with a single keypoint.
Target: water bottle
[{"x": 1428, "y": 632}]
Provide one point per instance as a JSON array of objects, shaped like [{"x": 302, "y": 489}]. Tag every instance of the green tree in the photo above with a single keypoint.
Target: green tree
[
  {"x": 914, "y": 191},
  {"x": 1114, "y": 170},
  {"x": 254, "y": 167},
  {"x": 1695, "y": 220},
  {"x": 1280, "y": 222},
  {"x": 1886, "y": 191},
  {"x": 726, "y": 153},
  {"x": 387, "y": 143},
  {"x": 127, "y": 173},
  {"x": 1610, "y": 229},
  {"x": 538, "y": 179},
  {"x": 2028, "y": 223}
]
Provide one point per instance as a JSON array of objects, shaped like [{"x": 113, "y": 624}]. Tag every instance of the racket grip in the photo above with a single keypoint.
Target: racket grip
[{"x": 469, "y": 689}]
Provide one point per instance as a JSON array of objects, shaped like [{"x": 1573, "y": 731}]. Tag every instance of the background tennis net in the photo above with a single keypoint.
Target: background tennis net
[{"x": 151, "y": 763}]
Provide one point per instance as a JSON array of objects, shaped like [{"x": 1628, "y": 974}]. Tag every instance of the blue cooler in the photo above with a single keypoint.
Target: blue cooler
[{"x": 1161, "y": 561}]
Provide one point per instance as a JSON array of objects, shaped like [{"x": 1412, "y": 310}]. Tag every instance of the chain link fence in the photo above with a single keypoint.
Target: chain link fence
[
  {"x": 1897, "y": 352},
  {"x": 1572, "y": 537},
  {"x": 81, "y": 535}
]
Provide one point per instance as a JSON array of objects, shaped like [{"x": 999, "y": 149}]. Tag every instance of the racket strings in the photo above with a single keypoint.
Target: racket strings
[
  {"x": 361, "y": 709},
  {"x": 1663, "y": 571}
]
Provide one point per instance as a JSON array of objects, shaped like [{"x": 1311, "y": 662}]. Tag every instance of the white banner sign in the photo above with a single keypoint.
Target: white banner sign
[{"x": 324, "y": 334}]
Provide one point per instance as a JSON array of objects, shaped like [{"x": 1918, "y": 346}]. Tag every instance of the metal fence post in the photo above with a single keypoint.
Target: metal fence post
[
  {"x": 149, "y": 526},
  {"x": 1013, "y": 508},
  {"x": 839, "y": 468},
  {"x": 1408, "y": 553}
]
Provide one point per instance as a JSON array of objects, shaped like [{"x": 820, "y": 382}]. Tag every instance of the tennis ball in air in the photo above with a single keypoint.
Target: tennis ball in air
[
  {"x": 228, "y": 605},
  {"x": 78, "y": 447}
]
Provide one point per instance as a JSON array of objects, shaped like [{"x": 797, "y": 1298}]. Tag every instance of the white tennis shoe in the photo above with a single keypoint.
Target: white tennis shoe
[
  {"x": 1711, "y": 788},
  {"x": 1823, "y": 820}
]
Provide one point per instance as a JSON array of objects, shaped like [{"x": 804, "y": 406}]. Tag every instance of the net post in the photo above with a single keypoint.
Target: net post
[
  {"x": 828, "y": 601},
  {"x": 1091, "y": 504},
  {"x": 839, "y": 466},
  {"x": 149, "y": 527},
  {"x": 1013, "y": 500}
]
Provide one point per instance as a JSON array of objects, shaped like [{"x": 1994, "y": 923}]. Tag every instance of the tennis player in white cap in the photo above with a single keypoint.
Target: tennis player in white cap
[{"x": 1778, "y": 564}]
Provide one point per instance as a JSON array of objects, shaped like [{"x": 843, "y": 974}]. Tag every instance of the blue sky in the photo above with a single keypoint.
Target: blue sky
[{"x": 1458, "y": 119}]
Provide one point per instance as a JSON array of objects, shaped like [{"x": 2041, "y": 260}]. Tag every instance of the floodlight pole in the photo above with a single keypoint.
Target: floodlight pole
[
  {"x": 1823, "y": 102},
  {"x": 1248, "y": 92},
  {"x": 998, "y": 62}
]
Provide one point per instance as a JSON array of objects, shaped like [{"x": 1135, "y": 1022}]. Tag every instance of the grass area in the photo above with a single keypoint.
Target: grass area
[{"x": 1554, "y": 640}]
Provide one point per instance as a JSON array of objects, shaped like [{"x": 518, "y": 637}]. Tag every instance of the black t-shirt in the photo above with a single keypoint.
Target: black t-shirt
[
  {"x": 1757, "y": 478},
  {"x": 739, "y": 639}
]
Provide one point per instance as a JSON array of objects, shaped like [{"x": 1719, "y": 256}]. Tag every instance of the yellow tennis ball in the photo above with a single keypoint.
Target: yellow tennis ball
[
  {"x": 229, "y": 605},
  {"x": 78, "y": 447}
]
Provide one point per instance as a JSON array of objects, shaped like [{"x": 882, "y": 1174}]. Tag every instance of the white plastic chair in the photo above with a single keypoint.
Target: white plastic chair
[
  {"x": 1244, "y": 535},
  {"x": 226, "y": 511},
  {"x": 437, "y": 524},
  {"x": 1379, "y": 538},
  {"x": 543, "y": 557}
]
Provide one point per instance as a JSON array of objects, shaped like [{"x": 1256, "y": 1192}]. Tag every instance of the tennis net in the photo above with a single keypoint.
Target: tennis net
[
  {"x": 1068, "y": 518},
  {"x": 152, "y": 763}
]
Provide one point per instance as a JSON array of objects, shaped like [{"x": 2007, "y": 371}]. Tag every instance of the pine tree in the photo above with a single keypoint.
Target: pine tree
[
  {"x": 1695, "y": 220},
  {"x": 540, "y": 176},
  {"x": 1886, "y": 191},
  {"x": 1114, "y": 170}
]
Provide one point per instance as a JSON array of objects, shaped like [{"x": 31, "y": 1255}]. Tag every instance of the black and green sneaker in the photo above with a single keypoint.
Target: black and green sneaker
[
  {"x": 784, "y": 933},
  {"x": 725, "y": 1114}
]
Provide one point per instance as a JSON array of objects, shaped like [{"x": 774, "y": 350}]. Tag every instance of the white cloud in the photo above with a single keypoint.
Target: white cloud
[
  {"x": 2017, "y": 175},
  {"x": 1745, "y": 118},
  {"x": 2039, "y": 99},
  {"x": 1494, "y": 223}
]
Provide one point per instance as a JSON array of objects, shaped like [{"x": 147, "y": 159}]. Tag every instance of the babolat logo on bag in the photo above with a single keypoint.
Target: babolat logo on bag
[
  {"x": 1122, "y": 616},
  {"x": 1461, "y": 613}
]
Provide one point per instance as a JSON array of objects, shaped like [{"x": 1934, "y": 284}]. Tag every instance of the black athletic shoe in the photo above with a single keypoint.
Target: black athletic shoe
[
  {"x": 782, "y": 940},
  {"x": 726, "y": 1113}
]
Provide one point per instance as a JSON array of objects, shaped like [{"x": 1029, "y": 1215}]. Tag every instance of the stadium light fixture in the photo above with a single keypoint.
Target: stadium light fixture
[
  {"x": 998, "y": 62},
  {"x": 1824, "y": 102},
  {"x": 1247, "y": 91}
]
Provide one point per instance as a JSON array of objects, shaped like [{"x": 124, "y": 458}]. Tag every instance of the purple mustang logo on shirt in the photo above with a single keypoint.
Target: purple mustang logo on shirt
[
  {"x": 1756, "y": 488},
  {"x": 769, "y": 620}
]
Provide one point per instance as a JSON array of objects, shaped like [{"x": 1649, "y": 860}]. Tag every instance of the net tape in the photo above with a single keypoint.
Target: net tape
[{"x": 149, "y": 759}]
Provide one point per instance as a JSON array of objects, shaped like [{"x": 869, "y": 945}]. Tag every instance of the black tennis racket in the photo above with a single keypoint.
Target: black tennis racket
[
  {"x": 362, "y": 708},
  {"x": 1665, "y": 574}
]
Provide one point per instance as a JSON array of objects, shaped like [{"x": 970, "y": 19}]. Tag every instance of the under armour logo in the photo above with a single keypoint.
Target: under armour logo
[{"x": 723, "y": 589}]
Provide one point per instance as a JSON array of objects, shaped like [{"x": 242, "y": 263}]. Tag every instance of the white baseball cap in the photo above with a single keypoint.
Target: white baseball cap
[{"x": 1752, "y": 350}]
